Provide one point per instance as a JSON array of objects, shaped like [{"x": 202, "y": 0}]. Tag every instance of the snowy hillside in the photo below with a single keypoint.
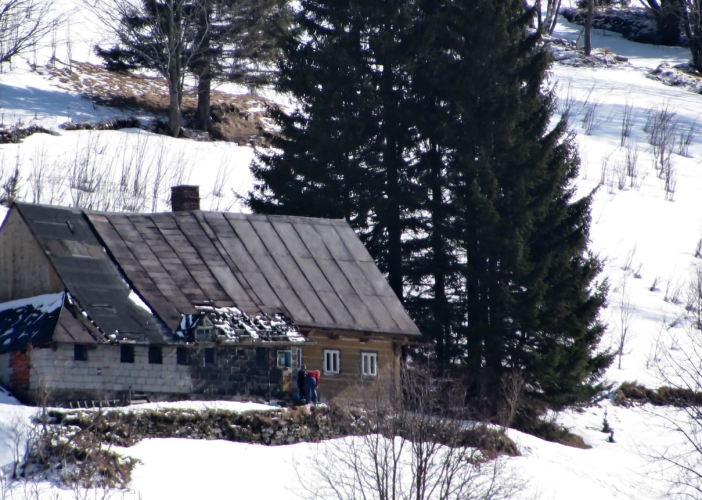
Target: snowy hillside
[{"x": 647, "y": 234}]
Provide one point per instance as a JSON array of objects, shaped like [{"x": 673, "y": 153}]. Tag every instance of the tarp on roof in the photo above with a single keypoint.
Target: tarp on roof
[
  {"x": 29, "y": 322},
  {"x": 89, "y": 274},
  {"x": 316, "y": 271}
]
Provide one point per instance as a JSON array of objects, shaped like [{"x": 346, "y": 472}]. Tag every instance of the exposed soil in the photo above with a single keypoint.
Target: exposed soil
[
  {"x": 237, "y": 118},
  {"x": 630, "y": 393}
]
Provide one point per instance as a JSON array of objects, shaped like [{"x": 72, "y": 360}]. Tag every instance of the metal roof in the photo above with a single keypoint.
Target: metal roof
[
  {"x": 89, "y": 274},
  {"x": 316, "y": 271}
]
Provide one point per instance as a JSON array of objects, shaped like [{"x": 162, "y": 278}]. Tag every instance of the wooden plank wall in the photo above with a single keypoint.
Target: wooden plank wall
[
  {"x": 346, "y": 384},
  {"x": 25, "y": 271}
]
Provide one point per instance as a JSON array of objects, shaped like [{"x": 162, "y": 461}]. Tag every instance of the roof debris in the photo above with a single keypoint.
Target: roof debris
[{"x": 230, "y": 324}]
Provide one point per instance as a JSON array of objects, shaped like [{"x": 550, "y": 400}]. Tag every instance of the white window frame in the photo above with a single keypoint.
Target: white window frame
[
  {"x": 369, "y": 364},
  {"x": 277, "y": 358},
  {"x": 331, "y": 368}
]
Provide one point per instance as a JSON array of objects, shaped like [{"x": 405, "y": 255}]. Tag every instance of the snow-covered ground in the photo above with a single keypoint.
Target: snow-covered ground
[{"x": 644, "y": 236}]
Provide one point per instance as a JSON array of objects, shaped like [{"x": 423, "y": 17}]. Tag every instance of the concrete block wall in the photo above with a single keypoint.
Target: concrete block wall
[
  {"x": 237, "y": 371},
  {"x": 102, "y": 372}
]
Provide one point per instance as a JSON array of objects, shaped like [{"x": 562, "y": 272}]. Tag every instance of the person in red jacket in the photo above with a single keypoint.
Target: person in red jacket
[{"x": 311, "y": 385}]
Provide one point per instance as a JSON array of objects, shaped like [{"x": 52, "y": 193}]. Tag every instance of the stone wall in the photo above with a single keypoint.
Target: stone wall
[
  {"x": 268, "y": 427},
  {"x": 237, "y": 371}
]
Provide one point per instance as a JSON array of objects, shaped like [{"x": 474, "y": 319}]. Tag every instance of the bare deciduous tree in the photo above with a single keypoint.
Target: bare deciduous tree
[
  {"x": 625, "y": 317},
  {"x": 411, "y": 447},
  {"x": 23, "y": 25},
  {"x": 166, "y": 34},
  {"x": 680, "y": 372}
]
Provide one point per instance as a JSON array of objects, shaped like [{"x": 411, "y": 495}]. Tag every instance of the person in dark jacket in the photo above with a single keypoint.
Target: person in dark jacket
[
  {"x": 311, "y": 383},
  {"x": 301, "y": 382}
]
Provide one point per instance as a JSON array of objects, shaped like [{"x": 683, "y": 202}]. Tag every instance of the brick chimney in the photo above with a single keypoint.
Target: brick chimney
[{"x": 184, "y": 198}]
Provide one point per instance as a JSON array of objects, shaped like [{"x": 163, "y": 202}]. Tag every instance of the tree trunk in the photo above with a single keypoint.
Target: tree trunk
[
  {"x": 693, "y": 29},
  {"x": 552, "y": 18},
  {"x": 441, "y": 333},
  {"x": 202, "y": 114},
  {"x": 175, "y": 86},
  {"x": 668, "y": 22},
  {"x": 392, "y": 160},
  {"x": 204, "y": 64},
  {"x": 175, "y": 117},
  {"x": 588, "y": 26}
]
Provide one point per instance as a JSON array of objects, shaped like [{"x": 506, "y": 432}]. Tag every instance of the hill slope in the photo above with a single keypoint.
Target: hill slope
[{"x": 645, "y": 233}]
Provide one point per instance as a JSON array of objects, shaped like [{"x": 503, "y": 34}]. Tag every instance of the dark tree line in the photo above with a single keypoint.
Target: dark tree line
[
  {"x": 209, "y": 40},
  {"x": 426, "y": 124}
]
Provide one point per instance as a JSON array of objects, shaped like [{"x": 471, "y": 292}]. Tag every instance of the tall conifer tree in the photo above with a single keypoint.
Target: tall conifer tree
[
  {"x": 431, "y": 117},
  {"x": 347, "y": 151}
]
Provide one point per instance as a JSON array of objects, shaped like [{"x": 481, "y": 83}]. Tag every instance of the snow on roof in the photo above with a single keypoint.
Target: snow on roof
[
  {"x": 29, "y": 321},
  {"x": 232, "y": 324},
  {"x": 42, "y": 303}
]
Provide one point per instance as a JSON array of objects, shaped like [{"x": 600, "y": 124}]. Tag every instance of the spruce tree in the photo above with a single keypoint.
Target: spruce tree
[
  {"x": 347, "y": 151},
  {"x": 530, "y": 300},
  {"x": 431, "y": 118}
]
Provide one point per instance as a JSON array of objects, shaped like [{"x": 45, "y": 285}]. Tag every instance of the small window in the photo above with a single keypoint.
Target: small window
[
  {"x": 209, "y": 356},
  {"x": 299, "y": 357},
  {"x": 155, "y": 356},
  {"x": 331, "y": 361},
  {"x": 284, "y": 359},
  {"x": 183, "y": 356},
  {"x": 369, "y": 364},
  {"x": 126, "y": 354},
  {"x": 203, "y": 333},
  {"x": 262, "y": 357},
  {"x": 80, "y": 353}
]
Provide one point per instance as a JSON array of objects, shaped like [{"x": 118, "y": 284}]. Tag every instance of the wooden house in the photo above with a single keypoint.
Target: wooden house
[{"x": 190, "y": 304}]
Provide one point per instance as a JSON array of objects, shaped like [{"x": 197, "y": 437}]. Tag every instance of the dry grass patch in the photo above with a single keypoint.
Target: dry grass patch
[{"x": 237, "y": 118}]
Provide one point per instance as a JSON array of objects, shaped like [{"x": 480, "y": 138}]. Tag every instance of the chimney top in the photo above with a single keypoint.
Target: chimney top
[{"x": 185, "y": 198}]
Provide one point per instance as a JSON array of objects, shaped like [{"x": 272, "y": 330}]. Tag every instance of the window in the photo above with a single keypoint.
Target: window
[
  {"x": 183, "y": 356},
  {"x": 209, "y": 356},
  {"x": 203, "y": 333},
  {"x": 155, "y": 356},
  {"x": 284, "y": 359},
  {"x": 126, "y": 354},
  {"x": 262, "y": 357},
  {"x": 331, "y": 361},
  {"x": 299, "y": 357},
  {"x": 369, "y": 364},
  {"x": 80, "y": 353}
]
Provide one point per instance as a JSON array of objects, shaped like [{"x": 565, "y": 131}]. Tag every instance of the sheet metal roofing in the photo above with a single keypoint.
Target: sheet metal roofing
[
  {"x": 316, "y": 271},
  {"x": 91, "y": 277}
]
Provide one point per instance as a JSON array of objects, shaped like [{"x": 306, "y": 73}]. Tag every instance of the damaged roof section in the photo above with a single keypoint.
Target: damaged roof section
[
  {"x": 29, "y": 322},
  {"x": 43, "y": 319},
  {"x": 315, "y": 270},
  {"x": 229, "y": 324},
  {"x": 91, "y": 277}
]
